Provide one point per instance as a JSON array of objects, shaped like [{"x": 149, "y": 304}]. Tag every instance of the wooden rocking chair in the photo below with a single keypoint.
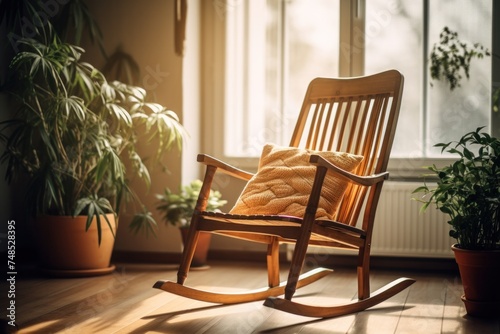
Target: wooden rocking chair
[{"x": 353, "y": 115}]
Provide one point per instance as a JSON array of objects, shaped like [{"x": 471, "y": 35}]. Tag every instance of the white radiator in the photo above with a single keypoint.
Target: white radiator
[{"x": 401, "y": 229}]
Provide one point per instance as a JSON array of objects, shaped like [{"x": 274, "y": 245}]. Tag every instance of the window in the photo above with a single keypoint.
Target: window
[
  {"x": 273, "y": 48},
  {"x": 401, "y": 34}
]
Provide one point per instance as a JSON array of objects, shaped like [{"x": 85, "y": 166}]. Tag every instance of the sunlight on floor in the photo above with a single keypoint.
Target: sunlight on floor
[{"x": 39, "y": 328}]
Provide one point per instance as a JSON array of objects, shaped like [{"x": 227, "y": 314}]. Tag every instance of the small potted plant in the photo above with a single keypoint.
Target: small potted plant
[
  {"x": 177, "y": 209},
  {"x": 468, "y": 190}
]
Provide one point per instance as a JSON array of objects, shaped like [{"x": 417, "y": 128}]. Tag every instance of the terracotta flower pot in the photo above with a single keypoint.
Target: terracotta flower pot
[
  {"x": 201, "y": 251},
  {"x": 66, "y": 249},
  {"x": 480, "y": 274}
]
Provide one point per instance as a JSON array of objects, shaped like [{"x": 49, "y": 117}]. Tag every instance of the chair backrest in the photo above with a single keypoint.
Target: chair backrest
[{"x": 356, "y": 115}]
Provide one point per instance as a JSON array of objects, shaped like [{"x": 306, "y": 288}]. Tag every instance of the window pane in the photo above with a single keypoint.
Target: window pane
[
  {"x": 454, "y": 113},
  {"x": 280, "y": 52},
  {"x": 246, "y": 49},
  {"x": 394, "y": 40},
  {"x": 312, "y": 48}
]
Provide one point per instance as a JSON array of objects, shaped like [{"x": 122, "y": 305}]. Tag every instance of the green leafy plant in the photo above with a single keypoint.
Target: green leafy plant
[
  {"x": 177, "y": 209},
  {"x": 468, "y": 190},
  {"x": 450, "y": 57},
  {"x": 73, "y": 134}
]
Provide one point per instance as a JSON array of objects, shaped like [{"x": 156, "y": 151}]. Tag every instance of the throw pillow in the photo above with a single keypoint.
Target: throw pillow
[{"x": 284, "y": 181}]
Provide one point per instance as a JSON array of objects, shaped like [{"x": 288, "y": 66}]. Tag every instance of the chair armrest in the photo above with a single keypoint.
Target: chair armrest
[
  {"x": 226, "y": 168},
  {"x": 362, "y": 180}
]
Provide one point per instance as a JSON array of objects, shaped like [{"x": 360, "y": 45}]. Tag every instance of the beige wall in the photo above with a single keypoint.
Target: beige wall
[{"x": 145, "y": 30}]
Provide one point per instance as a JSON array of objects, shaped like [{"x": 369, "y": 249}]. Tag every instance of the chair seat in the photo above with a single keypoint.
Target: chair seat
[{"x": 286, "y": 228}]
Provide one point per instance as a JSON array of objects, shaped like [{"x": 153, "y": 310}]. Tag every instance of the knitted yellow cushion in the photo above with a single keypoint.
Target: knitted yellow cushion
[{"x": 284, "y": 181}]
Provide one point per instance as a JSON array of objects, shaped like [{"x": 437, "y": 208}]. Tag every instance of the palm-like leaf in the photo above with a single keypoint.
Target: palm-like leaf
[
  {"x": 144, "y": 222},
  {"x": 97, "y": 208}
]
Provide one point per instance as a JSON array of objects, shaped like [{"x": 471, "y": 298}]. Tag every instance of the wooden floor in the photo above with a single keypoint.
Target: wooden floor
[{"x": 125, "y": 302}]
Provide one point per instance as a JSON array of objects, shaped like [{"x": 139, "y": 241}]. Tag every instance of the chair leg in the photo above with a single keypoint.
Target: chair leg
[
  {"x": 187, "y": 255},
  {"x": 299, "y": 255},
  {"x": 190, "y": 246},
  {"x": 302, "y": 243},
  {"x": 273, "y": 263},
  {"x": 363, "y": 273}
]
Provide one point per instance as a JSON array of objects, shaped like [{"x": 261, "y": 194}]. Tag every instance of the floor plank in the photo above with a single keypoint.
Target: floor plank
[
  {"x": 125, "y": 302},
  {"x": 385, "y": 316},
  {"x": 429, "y": 293}
]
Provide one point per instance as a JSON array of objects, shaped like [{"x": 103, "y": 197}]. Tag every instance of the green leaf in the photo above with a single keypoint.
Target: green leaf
[
  {"x": 144, "y": 222},
  {"x": 96, "y": 207}
]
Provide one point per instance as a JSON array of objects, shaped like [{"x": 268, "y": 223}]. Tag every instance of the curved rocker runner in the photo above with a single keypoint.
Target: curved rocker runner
[
  {"x": 243, "y": 297},
  {"x": 376, "y": 297}
]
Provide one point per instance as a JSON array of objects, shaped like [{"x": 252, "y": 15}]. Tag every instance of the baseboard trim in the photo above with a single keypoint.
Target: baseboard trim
[
  {"x": 145, "y": 257},
  {"x": 329, "y": 261}
]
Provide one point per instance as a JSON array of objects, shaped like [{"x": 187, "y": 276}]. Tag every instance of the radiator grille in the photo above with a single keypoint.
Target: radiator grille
[{"x": 402, "y": 230}]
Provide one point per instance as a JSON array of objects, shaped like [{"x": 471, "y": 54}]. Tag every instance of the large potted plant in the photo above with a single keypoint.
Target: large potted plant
[
  {"x": 72, "y": 137},
  {"x": 177, "y": 210},
  {"x": 468, "y": 190}
]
